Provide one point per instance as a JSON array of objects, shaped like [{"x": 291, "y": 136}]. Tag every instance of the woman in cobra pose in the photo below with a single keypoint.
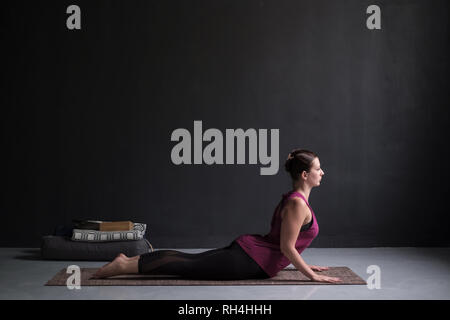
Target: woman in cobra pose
[{"x": 250, "y": 256}]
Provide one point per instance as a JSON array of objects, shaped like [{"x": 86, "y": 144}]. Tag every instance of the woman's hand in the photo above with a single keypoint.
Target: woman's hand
[
  {"x": 321, "y": 278},
  {"x": 318, "y": 268}
]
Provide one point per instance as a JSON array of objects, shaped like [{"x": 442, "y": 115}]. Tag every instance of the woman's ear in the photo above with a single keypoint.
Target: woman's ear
[{"x": 304, "y": 175}]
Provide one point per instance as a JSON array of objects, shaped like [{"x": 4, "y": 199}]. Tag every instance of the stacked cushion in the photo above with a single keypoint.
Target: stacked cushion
[
  {"x": 137, "y": 233},
  {"x": 63, "y": 248}
]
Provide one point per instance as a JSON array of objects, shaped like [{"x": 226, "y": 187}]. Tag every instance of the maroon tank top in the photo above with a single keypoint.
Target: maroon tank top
[{"x": 265, "y": 250}]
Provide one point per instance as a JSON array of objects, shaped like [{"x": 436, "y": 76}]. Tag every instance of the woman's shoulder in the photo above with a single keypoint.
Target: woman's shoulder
[
  {"x": 294, "y": 203},
  {"x": 294, "y": 197}
]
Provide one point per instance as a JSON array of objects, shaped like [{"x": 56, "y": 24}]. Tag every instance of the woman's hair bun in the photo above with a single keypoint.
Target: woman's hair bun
[
  {"x": 288, "y": 163},
  {"x": 299, "y": 160}
]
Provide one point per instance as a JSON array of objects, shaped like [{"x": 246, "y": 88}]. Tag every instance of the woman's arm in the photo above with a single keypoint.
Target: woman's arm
[
  {"x": 295, "y": 214},
  {"x": 300, "y": 264}
]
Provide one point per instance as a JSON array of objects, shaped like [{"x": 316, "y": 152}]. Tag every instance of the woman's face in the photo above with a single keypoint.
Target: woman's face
[{"x": 315, "y": 174}]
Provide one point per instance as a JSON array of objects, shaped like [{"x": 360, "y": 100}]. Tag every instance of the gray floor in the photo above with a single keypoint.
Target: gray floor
[{"x": 405, "y": 273}]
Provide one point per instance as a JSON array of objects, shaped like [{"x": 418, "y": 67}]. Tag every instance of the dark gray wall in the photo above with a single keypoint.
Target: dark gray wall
[{"x": 87, "y": 117}]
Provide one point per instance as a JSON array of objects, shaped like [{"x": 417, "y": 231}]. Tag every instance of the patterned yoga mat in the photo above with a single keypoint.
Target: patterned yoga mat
[{"x": 287, "y": 276}]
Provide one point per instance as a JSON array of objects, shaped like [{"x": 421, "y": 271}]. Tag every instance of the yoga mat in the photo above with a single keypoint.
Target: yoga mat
[{"x": 287, "y": 276}]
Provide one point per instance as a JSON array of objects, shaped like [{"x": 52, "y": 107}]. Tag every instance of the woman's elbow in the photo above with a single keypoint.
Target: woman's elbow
[{"x": 287, "y": 249}]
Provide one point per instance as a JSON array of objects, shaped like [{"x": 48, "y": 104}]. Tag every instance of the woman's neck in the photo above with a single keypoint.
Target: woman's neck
[{"x": 303, "y": 189}]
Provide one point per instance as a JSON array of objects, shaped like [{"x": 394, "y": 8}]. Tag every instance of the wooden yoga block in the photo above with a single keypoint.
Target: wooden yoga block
[{"x": 116, "y": 226}]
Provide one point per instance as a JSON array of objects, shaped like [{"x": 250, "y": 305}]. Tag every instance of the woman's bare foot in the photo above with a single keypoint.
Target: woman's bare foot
[{"x": 116, "y": 267}]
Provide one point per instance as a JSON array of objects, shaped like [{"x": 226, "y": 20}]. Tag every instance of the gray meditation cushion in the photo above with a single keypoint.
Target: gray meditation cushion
[{"x": 62, "y": 248}]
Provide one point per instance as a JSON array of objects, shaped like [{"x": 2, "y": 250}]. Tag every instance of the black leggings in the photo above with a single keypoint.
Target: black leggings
[{"x": 227, "y": 263}]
